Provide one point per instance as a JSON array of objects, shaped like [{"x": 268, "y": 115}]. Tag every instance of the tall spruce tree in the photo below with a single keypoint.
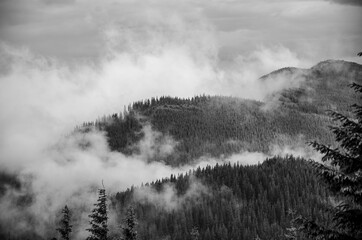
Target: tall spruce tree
[
  {"x": 65, "y": 228},
  {"x": 342, "y": 172},
  {"x": 99, "y": 226},
  {"x": 130, "y": 223}
]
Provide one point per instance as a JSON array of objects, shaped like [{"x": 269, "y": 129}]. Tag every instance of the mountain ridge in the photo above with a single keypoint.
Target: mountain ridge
[
  {"x": 218, "y": 127},
  {"x": 203, "y": 125}
]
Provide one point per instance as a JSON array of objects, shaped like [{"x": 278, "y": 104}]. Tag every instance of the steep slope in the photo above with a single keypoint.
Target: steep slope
[{"x": 320, "y": 88}]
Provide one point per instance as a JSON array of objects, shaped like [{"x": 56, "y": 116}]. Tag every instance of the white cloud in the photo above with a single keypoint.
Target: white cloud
[{"x": 167, "y": 198}]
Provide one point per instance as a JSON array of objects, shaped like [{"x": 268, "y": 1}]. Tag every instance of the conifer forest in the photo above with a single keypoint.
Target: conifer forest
[{"x": 180, "y": 120}]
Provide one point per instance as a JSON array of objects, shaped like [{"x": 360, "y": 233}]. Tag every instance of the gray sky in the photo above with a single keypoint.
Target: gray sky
[{"x": 84, "y": 29}]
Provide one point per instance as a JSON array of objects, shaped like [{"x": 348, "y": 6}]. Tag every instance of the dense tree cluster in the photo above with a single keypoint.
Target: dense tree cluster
[
  {"x": 129, "y": 227},
  {"x": 212, "y": 126},
  {"x": 242, "y": 202},
  {"x": 65, "y": 227},
  {"x": 99, "y": 219},
  {"x": 205, "y": 125},
  {"x": 99, "y": 229}
]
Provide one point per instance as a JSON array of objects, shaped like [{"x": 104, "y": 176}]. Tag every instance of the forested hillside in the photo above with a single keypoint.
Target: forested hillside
[
  {"x": 322, "y": 87},
  {"x": 219, "y": 126},
  {"x": 227, "y": 201},
  {"x": 222, "y": 202}
]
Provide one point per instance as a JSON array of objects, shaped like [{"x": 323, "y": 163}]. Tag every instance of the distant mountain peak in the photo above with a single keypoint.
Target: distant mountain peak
[
  {"x": 336, "y": 65},
  {"x": 326, "y": 65},
  {"x": 284, "y": 71}
]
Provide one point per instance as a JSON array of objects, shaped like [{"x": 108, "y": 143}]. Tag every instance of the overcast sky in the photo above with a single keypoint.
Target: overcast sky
[{"x": 84, "y": 29}]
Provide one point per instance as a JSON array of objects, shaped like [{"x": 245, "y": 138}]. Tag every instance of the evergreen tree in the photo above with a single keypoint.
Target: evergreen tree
[
  {"x": 65, "y": 228},
  {"x": 342, "y": 172},
  {"x": 98, "y": 222},
  {"x": 129, "y": 229}
]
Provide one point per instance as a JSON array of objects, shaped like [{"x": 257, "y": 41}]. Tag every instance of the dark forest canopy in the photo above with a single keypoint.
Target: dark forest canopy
[
  {"x": 223, "y": 202},
  {"x": 229, "y": 201}
]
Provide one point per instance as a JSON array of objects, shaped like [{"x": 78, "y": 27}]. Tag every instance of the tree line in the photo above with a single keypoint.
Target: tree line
[
  {"x": 213, "y": 126},
  {"x": 99, "y": 222},
  {"x": 242, "y": 202}
]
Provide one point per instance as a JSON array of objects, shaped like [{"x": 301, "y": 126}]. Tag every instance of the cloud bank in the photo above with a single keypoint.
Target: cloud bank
[
  {"x": 70, "y": 172},
  {"x": 314, "y": 29}
]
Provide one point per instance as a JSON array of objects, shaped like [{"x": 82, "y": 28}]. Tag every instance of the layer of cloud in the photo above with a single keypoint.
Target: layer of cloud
[
  {"x": 155, "y": 144},
  {"x": 70, "y": 172},
  {"x": 43, "y": 99},
  {"x": 315, "y": 29},
  {"x": 74, "y": 168},
  {"x": 167, "y": 198}
]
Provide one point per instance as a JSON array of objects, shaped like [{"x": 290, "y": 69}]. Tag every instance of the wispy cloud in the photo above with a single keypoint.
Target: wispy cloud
[{"x": 167, "y": 198}]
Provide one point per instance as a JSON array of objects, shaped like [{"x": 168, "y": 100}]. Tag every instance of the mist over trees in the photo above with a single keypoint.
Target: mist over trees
[
  {"x": 65, "y": 227},
  {"x": 196, "y": 115},
  {"x": 129, "y": 227},
  {"x": 216, "y": 125},
  {"x": 240, "y": 202},
  {"x": 226, "y": 201},
  {"x": 99, "y": 226}
]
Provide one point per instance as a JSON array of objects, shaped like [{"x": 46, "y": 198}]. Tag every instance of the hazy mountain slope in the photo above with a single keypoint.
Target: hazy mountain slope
[
  {"x": 220, "y": 126},
  {"x": 216, "y": 126},
  {"x": 322, "y": 87},
  {"x": 227, "y": 202}
]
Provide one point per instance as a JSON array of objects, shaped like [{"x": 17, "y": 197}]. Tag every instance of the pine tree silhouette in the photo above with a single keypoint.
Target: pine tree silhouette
[
  {"x": 99, "y": 218},
  {"x": 130, "y": 223},
  {"x": 65, "y": 228}
]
